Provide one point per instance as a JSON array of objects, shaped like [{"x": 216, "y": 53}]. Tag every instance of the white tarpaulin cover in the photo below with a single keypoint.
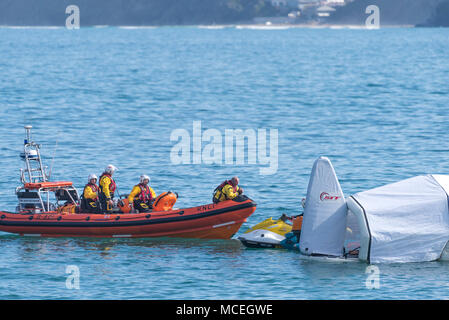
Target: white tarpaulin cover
[
  {"x": 408, "y": 221},
  {"x": 324, "y": 222}
]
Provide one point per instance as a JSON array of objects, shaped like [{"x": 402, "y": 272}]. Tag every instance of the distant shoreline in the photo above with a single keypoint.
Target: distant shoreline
[{"x": 222, "y": 26}]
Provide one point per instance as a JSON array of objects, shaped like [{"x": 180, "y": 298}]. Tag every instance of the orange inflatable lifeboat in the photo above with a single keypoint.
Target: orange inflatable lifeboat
[
  {"x": 213, "y": 221},
  {"x": 61, "y": 215}
]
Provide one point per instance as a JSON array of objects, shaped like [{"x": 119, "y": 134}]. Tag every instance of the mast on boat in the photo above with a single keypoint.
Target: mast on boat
[
  {"x": 34, "y": 171},
  {"x": 34, "y": 195}
]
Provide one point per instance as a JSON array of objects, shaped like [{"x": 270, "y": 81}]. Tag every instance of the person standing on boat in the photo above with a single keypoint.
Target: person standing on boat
[
  {"x": 142, "y": 195},
  {"x": 228, "y": 190},
  {"x": 107, "y": 189},
  {"x": 91, "y": 202}
]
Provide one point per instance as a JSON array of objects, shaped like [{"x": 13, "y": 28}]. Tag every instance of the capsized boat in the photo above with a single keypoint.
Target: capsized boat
[
  {"x": 405, "y": 221},
  {"x": 266, "y": 234},
  {"x": 327, "y": 229},
  {"x": 323, "y": 232},
  {"x": 53, "y": 209}
]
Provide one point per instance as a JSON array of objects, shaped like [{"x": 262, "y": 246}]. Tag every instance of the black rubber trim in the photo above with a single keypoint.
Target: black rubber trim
[
  {"x": 241, "y": 198},
  {"x": 368, "y": 257},
  {"x": 325, "y": 255},
  {"x": 256, "y": 244},
  {"x": 180, "y": 217}
]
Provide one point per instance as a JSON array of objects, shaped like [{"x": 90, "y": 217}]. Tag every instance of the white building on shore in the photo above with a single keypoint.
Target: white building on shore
[{"x": 325, "y": 11}]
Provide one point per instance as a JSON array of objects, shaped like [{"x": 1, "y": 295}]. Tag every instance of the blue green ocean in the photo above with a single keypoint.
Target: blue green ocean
[{"x": 376, "y": 102}]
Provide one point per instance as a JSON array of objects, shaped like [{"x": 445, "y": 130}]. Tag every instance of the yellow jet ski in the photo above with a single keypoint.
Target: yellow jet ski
[{"x": 266, "y": 234}]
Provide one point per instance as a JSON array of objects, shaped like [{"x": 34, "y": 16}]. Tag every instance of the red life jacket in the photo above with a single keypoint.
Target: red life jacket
[
  {"x": 145, "y": 193},
  {"x": 112, "y": 186},
  {"x": 93, "y": 187},
  {"x": 222, "y": 185}
]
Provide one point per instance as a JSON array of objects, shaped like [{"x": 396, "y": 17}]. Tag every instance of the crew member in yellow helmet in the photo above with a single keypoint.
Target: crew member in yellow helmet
[
  {"x": 142, "y": 195},
  {"x": 228, "y": 190},
  {"x": 107, "y": 188},
  {"x": 90, "y": 202}
]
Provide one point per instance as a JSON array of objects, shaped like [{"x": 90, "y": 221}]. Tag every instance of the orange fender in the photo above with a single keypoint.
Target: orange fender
[
  {"x": 165, "y": 201},
  {"x": 67, "y": 209},
  {"x": 297, "y": 223},
  {"x": 124, "y": 205}
]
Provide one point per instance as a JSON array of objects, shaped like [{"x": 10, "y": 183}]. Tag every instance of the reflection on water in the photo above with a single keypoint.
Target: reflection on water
[{"x": 222, "y": 268}]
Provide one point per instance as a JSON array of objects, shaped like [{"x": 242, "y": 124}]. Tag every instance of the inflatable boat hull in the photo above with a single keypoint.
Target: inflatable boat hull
[{"x": 212, "y": 221}]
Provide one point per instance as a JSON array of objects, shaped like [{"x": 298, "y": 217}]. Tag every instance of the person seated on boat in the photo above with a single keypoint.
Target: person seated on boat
[
  {"x": 107, "y": 188},
  {"x": 227, "y": 190},
  {"x": 296, "y": 224},
  {"x": 142, "y": 195},
  {"x": 90, "y": 202}
]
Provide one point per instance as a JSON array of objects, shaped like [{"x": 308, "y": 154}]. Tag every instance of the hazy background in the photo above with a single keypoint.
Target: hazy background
[{"x": 193, "y": 12}]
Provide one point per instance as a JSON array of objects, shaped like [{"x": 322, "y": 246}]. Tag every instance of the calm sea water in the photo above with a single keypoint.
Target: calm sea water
[{"x": 375, "y": 102}]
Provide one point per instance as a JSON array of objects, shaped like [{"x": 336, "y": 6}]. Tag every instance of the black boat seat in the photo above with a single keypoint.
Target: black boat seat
[
  {"x": 63, "y": 195},
  {"x": 27, "y": 195}
]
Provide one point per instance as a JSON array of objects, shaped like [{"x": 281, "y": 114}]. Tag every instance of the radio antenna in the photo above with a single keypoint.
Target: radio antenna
[{"x": 53, "y": 158}]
